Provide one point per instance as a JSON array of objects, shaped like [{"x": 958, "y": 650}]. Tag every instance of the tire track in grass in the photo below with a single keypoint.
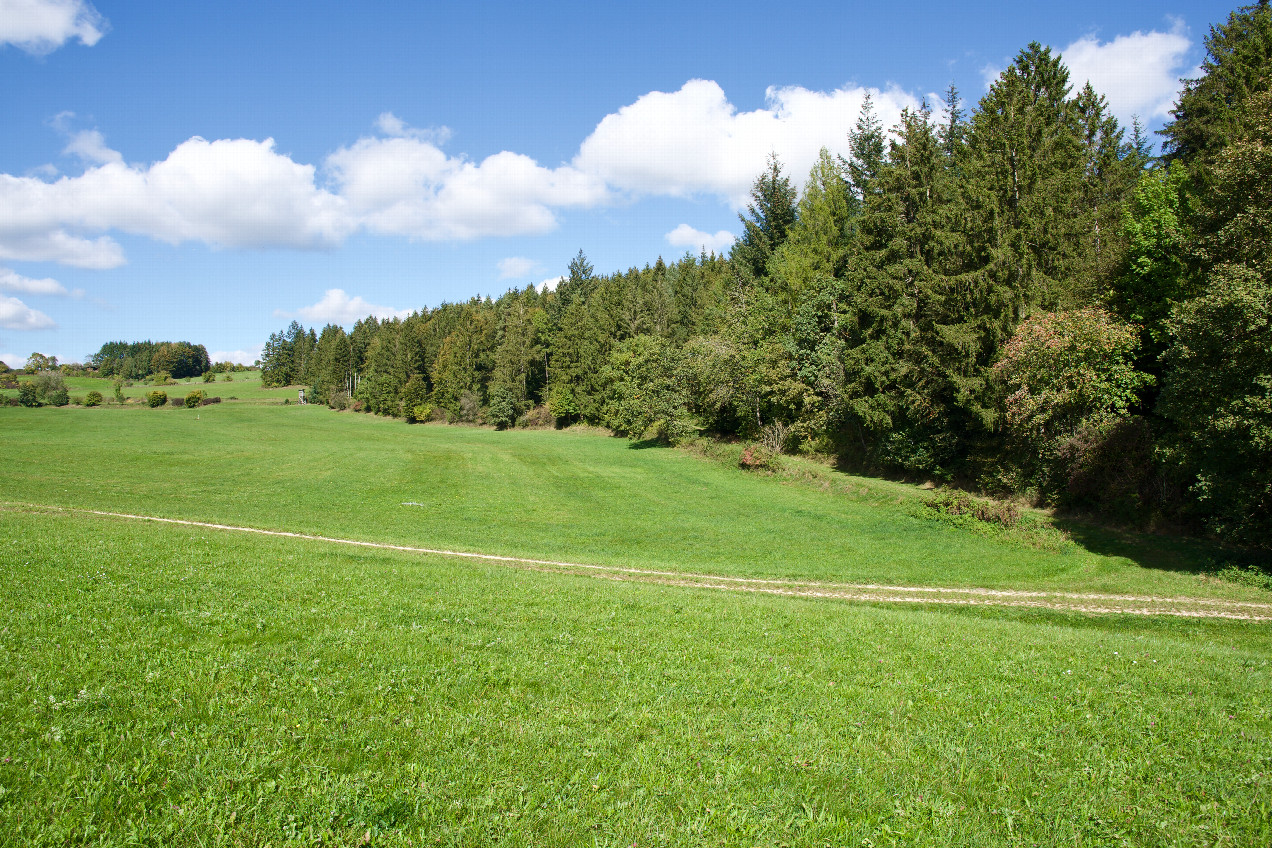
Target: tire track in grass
[{"x": 1089, "y": 603}]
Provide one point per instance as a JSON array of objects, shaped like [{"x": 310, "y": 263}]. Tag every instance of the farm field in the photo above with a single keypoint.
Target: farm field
[
  {"x": 169, "y": 684},
  {"x": 244, "y": 387}
]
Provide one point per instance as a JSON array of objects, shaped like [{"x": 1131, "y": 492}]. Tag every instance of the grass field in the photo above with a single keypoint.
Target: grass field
[
  {"x": 245, "y": 387},
  {"x": 178, "y": 685}
]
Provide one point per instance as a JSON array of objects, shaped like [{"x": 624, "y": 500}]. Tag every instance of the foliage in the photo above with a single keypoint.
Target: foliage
[
  {"x": 502, "y": 411},
  {"x": 155, "y": 398},
  {"x": 27, "y": 394},
  {"x": 769, "y": 217},
  {"x": 93, "y": 398},
  {"x": 1218, "y": 393},
  {"x": 646, "y": 389},
  {"x": 209, "y": 377},
  {"x": 193, "y": 399},
  {"x": 1154, "y": 274}
]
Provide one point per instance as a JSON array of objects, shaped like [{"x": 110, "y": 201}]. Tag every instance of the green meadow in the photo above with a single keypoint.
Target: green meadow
[{"x": 168, "y": 684}]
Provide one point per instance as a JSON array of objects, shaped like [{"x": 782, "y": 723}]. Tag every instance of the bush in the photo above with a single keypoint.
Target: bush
[
  {"x": 193, "y": 399},
  {"x": 118, "y": 385},
  {"x": 77, "y": 400},
  {"x": 227, "y": 377},
  {"x": 1002, "y": 513},
  {"x": 757, "y": 458},
  {"x": 469, "y": 408},
  {"x": 178, "y": 402},
  {"x": 537, "y": 418},
  {"x": 156, "y": 398},
  {"x": 93, "y": 398},
  {"x": 502, "y": 411},
  {"x": 421, "y": 412},
  {"x": 209, "y": 377},
  {"x": 209, "y": 401},
  {"x": 161, "y": 378},
  {"x": 27, "y": 394},
  {"x": 58, "y": 397}
]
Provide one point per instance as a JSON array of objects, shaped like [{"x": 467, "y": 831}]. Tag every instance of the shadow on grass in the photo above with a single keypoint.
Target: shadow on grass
[
  {"x": 1178, "y": 553},
  {"x": 647, "y": 444},
  {"x": 1236, "y": 631}
]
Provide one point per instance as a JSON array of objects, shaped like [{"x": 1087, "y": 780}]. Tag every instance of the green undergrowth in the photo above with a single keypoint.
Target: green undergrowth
[{"x": 177, "y": 686}]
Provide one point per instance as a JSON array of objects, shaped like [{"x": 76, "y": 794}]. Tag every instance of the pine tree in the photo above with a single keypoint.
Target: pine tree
[{"x": 769, "y": 218}]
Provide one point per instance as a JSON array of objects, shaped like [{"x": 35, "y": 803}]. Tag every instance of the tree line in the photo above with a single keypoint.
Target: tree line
[{"x": 1018, "y": 296}]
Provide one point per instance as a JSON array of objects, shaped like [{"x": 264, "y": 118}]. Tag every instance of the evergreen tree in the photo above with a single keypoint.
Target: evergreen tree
[{"x": 770, "y": 215}]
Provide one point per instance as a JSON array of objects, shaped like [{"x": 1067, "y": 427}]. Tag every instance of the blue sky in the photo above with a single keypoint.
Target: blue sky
[{"x": 209, "y": 171}]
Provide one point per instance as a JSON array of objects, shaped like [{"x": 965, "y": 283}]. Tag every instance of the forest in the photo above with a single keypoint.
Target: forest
[{"x": 1015, "y": 296}]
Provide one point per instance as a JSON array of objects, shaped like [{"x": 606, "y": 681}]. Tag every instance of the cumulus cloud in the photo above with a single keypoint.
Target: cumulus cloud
[
  {"x": 516, "y": 266},
  {"x": 336, "y": 307},
  {"x": 549, "y": 284},
  {"x": 12, "y": 281},
  {"x": 228, "y": 193},
  {"x": 687, "y": 236},
  {"x": 13, "y": 360},
  {"x": 1138, "y": 73},
  {"x": 42, "y": 26},
  {"x": 90, "y": 146},
  {"x": 16, "y": 315},
  {"x": 694, "y": 141},
  {"x": 240, "y": 357},
  {"x": 405, "y": 184}
]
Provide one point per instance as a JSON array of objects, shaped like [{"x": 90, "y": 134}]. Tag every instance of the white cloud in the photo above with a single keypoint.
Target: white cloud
[
  {"x": 516, "y": 266},
  {"x": 90, "y": 146},
  {"x": 13, "y": 360},
  {"x": 42, "y": 26},
  {"x": 406, "y": 185},
  {"x": 12, "y": 281},
  {"x": 336, "y": 307},
  {"x": 686, "y": 236},
  {"x": 16, "y": 315},
  {"x": 230, "y": 193},
  {"x": 549, "y": 284},
  {"x": 241, "y": 357},
  {"x": 694, "y": 141},
  {"x": 22, "y": 244},
  {"x": 1138, "y": 73}
]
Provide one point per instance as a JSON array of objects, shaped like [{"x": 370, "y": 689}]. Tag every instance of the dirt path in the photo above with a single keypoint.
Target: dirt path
[{"x": 1096, "y": 604}]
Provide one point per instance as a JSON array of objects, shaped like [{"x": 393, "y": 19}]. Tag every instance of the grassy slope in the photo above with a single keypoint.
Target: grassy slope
[
  {"x": 175, "y": 686},
  {"x": 246, "y": 386},
  {"x": 579, "y": 497}
]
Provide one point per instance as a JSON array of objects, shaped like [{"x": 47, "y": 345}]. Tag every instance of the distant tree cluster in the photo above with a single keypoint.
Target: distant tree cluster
[
  {"x": 1019, "y": 297},
  {"x": 138, "y": 360}
]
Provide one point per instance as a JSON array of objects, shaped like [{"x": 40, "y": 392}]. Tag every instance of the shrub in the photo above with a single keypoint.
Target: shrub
[
  {"x": 227, "y": 377},
  {"x": 161, "y": 378},
  {"x": 209, "y": 376},
  {"x": 537, "y": 418},
  {"x": 421, "y": 412},
  {"x": 502, "y": 411},
  {"x": 757, "y": 458},
  {"x": 93, "y": 398},
  {"x": 58, "y": 397},
  {"x": 209, "y": 401},
  {"x": 77, "y": 400},
  {"x": 156, "y": 398},
  {"x": 119, "y": 391},
  {"x": 178, "y": 402},
  {"x": 469, "y": 408},
  {"x": 193, "y": 399},
  {"x": 1002, "y": 513},
  {"x": 27, "y": 394}
]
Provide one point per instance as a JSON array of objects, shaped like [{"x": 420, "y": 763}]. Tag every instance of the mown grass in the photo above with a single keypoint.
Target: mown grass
[
  {"x": 244, "y": 387},
  {"x": 548, "y": 495},
  {"x": 174, "y": 686}
]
